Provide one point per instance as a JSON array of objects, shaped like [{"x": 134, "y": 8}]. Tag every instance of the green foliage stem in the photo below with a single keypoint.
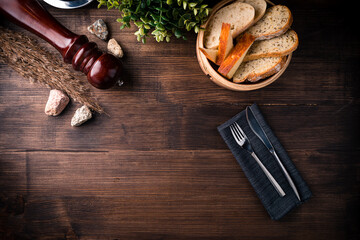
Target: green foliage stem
[{"x": 160, "y": 18}]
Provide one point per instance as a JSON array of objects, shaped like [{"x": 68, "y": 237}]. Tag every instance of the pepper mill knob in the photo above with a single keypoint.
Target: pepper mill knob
[{"x": 102, "y": 69}]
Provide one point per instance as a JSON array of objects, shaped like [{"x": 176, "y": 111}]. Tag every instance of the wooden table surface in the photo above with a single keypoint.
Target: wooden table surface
[{"x": 157, "y": 167}]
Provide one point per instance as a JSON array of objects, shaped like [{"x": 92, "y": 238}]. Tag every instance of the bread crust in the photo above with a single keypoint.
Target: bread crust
[
  {"x": 254, "y": 77},
  {"x": 208, "y": 55},
  {"x": 224, "y": 42},
  {"x": 236, "y": 56},
  {"x": 258, "y": 15},
  {"x": 273, "y": 54},
  {"x": 280, "y": 31},
  {"x": 237, "y": 33},
  {"x": 262, "y": 75},
  {"x": 211, "y": 37}
]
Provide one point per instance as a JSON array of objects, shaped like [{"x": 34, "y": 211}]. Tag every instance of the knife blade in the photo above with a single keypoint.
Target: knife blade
[{"x": 259, "y": 132}]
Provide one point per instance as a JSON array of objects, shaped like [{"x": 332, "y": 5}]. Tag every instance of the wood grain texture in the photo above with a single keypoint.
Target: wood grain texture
[{"x": 157, "y": 167}]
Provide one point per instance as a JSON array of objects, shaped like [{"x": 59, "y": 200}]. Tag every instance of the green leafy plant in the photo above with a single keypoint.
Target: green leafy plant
[{"x": 161, "y": 18}]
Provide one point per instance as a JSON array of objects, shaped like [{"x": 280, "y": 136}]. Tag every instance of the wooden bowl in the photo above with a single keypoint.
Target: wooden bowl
[{"x": 208, "y": 69}]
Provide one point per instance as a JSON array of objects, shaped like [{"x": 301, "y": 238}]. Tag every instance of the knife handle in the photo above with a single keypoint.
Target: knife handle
[
  {"x": 286, "y": 175},
  {"x": 269, "y": 176}
]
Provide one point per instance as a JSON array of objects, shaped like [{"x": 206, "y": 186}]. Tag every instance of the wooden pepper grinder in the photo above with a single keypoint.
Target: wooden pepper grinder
[{"x": 102, "y": 69}]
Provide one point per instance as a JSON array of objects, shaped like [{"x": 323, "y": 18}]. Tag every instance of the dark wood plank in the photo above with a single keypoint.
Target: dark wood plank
[
  {"x": 148, "y": 126},
  {"x": 104, "y": 194}
]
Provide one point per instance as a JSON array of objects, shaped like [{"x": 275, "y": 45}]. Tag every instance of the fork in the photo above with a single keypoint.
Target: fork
[{"x": 243, "y": 141}]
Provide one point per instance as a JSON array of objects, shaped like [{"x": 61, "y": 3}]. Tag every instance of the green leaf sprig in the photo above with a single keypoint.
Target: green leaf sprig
[{"x": 161, "y": 18}]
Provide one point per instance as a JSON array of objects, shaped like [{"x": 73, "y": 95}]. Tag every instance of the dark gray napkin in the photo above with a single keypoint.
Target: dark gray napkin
[{"x": 275, "y": 205}]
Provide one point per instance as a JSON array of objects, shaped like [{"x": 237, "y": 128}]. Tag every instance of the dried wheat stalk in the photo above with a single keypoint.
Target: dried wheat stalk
[{"x": 25, "y": 56}]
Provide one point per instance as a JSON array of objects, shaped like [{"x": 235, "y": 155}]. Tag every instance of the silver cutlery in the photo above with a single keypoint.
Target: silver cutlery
[
  {"x": 259, "y": 132},
  {"x": 242, "y": 140}
]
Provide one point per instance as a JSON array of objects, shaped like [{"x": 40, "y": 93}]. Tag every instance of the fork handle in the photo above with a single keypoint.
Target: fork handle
[{"x": 269, "y": 176}]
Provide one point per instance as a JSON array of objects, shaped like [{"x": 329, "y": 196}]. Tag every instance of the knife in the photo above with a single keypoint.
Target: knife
[{"x": 259, "y": 132}]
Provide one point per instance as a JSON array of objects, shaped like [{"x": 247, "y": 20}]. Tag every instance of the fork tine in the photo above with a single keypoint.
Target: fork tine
[
  {"x": 238, "y": 136},
  {"x": 241, "y": 131},
  {"x": 238, "y": 130},
  {"x": 233, "y": 132}
]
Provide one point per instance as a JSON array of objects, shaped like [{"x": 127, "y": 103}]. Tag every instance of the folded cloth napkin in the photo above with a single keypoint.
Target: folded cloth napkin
[{"x": 275, "y": 205}]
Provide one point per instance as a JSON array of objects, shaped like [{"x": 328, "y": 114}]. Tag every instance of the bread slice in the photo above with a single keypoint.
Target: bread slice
[
  {"x": 225, "y": 43},
  {"x": 210, "y": 54},
  {"x": 275, "y": 47},
  {"x": 239, "y": 15},
  {"x": 258, "y": 69},
  {"x": 258, "y": 5},
  {"x": 236, "y": 56},
  {"x": 275, "y": 22}
]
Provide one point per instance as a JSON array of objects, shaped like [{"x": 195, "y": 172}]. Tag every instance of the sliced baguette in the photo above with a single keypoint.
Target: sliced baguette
[
  {"x": 275, "y": 22},
  {"x": 225, "y": 43},
  {"x": 239, "y": 15},
  {"x": 259, "y": 6},
  {"x": 210, "y": 54},
  {"x": 236, "y": 56},
  {"x": 275, "y": 47},
  {"x": 258, "y": 69}
]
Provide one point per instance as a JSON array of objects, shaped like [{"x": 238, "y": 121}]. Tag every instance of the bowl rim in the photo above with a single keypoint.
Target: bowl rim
[
  {"x": 68, "y": 4},
  {"x": 215, "y": 76}
]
